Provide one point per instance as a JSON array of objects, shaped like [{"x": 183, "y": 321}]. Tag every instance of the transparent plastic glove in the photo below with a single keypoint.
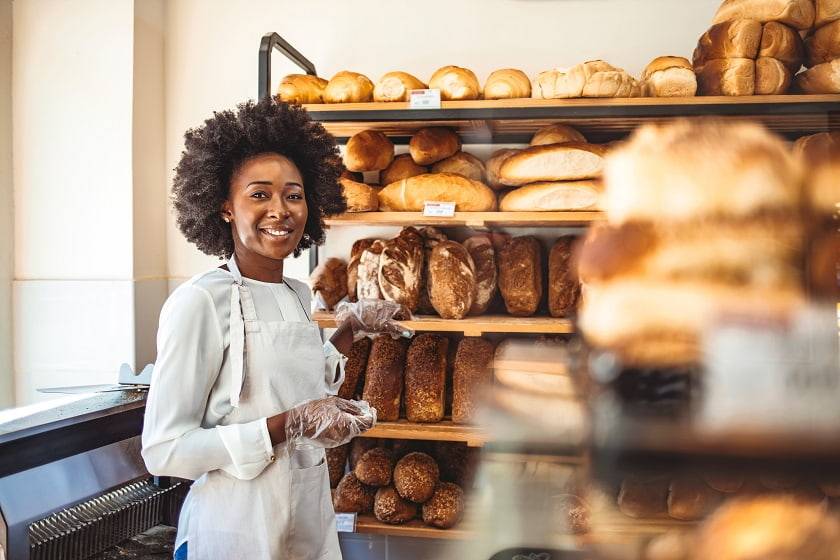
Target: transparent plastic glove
[
  {"x": 328, "y": 422},
  {"x": 368, "y": 317}
]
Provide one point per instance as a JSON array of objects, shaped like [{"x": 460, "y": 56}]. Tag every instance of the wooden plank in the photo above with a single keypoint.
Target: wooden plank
[
  {"x": 367, "y": 523},
  {"x": 473, "y": 326},
  {"x": 440, "y": 431},
  {"x": 471, "y": 219}
]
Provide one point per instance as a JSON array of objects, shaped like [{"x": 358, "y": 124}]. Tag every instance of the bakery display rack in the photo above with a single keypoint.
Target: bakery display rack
[
  {"x": 468, "y": 219},
  {"x": 439, "y": 431}
]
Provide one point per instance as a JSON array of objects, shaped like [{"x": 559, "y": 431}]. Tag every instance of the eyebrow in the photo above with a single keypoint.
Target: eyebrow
[{"x": 269, "y": 183}]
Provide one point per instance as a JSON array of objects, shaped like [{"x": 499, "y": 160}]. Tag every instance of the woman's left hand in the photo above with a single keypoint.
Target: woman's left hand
[{"x": 368, "y": 317}]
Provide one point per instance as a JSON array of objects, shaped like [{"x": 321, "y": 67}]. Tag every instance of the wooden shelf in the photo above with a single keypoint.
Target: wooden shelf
[
  {"x": 515, "y": 120},
  {"x": 473, "y": 326},
  {"x": 469, "y": 219},
  {"x": 440, "y": 431},
  {"x": 367, "y": 523}
]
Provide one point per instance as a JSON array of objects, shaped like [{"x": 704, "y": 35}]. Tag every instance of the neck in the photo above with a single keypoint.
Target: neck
[{"x": 258, "y": 267}]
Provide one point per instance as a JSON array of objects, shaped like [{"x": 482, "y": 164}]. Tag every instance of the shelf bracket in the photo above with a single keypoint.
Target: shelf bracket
[{"x": 268, "y": 43}]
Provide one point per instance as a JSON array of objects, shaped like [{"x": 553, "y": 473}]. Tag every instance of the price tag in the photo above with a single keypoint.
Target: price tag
[
  {"x": 439, "y": 209},
  {"x": 424, "y": 99},
  {"x": 345, "y": 522}
]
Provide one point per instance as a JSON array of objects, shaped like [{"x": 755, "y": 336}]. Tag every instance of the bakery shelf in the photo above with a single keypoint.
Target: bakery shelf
[
  {"x": 469, "y": 219},
  {"x": 440, "y": 431},
  {"x": 473, "y": 326},
  {"x": 367, "y": 523}
]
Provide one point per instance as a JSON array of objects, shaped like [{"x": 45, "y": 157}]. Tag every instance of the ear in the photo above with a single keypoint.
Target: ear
[{"x": 227, "y": 213}]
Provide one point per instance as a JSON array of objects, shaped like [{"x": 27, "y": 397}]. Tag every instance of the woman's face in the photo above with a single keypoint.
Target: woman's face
[{"x": 266, "y": 207}]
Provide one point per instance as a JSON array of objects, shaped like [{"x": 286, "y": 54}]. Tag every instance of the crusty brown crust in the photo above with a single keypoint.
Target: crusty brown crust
[
  {"x": 483, "y": 255},
  {"x": 367, "y": 273},
  {"x": 390, "y": 507},
  {"x": 374, "y": 467},
  {"x": 471, "y": 375},
  {"x": 563, "y": 285},
  {"x": 425, "y": 378},
  {"x": 402, "y": 167},
  {"x": 401, "y": 268},
  {"x": 446, "y": 506},
  {"x": 432, "y": 144},
  {"x": 354, "y": 370},
  {"x": 330, "y": 281},
  {"x": 368, "y": 150},
  {"x": 461, "y": 163},
  {"x": 451, "y": 281},
  {"x": 416, "y": 476},
  {"x": 353, "y": 266},
  {"x": 351, "y": 496},
  {"x": 520, "y": 275},
  {"x": 384, "y": 377}
]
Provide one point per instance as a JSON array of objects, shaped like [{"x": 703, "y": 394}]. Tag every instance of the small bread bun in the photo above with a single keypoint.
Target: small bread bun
[
  {"x": 351, "y": 496},
  {"x": 348, "y": 87},
  {"x": 416, "y": 476},
  {"x": 401, "y": 168},
  {"x": 557, "y": 134},
  {"x": 455, "y": 83},
  {"x": 369, "y": 150},
  {"x": 462, "y": 163},
  {"x": 375, "y": 466},
  {"x": 508, "y": 83},
  {"x": 302, "y": 88},
  {"x": 430, "y": 145},
  {"x": 396, "y": 86},
  {"x": 446, "y": 506},
  {"x": 389, "y": 507}
]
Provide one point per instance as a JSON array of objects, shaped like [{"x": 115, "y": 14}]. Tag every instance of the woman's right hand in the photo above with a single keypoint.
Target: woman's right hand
[{"x": 327, "y": 422}]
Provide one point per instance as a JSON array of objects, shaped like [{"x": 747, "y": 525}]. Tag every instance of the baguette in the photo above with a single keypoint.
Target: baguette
[
  {"x": 553, "y": 197},
  {"x": 410, "y": 195},
  {"x": 798, "y": 14},
  {"x": 564, "y": 162}
]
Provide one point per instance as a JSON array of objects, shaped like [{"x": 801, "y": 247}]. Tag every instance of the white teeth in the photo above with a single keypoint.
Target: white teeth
[{"x": 276, "y": 232}]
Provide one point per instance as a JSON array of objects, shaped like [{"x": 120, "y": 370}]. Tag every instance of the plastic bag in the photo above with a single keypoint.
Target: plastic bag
[
  {"x": 328, "y": 422},
  {"x": 369, "y": 317}
]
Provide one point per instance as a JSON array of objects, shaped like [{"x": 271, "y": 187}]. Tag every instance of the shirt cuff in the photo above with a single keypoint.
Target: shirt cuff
[
  {"x": 333, "y": 358},
  {"x": 249, "y": 447}
]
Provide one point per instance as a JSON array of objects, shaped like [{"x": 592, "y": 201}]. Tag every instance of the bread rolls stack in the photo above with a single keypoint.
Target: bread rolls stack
[
  {"x": 822, "y": 51},
  {"x": 595, "y": 78},
  {"x": 702, "y": 217}
]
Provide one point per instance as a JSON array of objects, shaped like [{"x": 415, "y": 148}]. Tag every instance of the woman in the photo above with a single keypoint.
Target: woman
[{"x": 241, "y": 368}]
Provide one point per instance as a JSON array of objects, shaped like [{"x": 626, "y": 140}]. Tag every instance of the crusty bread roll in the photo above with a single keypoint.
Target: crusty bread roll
[
  {"x": 520, "y": 275},
  {"x": 669, "y": 76},
  {"x": 348, "y": 87},
  {"x": 782, "y": 43},
  {"x": 410, "y": 195},
  {"x": 301, "y": 89},
  {"x": 494, "y": 165},
  {"x": 740, "y": 38},
  {"x": 559, "y": 162},
  {"x": 563, "y": 285},
  {"x": 726, "y": 76},
  {"x": 432, "y": 144},
  {"x": 772, "y": 77},
  {"x": 368, "y": 150},
  {"x": 416, "y": 476},
  {"x": 508, "y": 83},
  {"x": 336, "y": 462},
  {"x": 824, "y": 44},
  {"x": 390, "y": 507},
  {"x": 351, "y": 496},
  {"x": 446, "y": 506},
  {"x": 359, "y": 196},
  {"x": 483, "y": 255},
  {"x": 354, "y": 370},
  {"x": 822, "y": 78},
  {"x": 690, "y": 499},
  {"x": 555, "y": 196},
  {"x": 595, "y": 78},
  {"x": 329, "y": 281},
  {"x": 425, "y": 378},
  {"x": 451, "y": 280},
  {"x": 396, "y": 86},
  {"x": 367, "y": 272},
  {"x": 643, "y": 495},
  {"x": 401, "y": 268},
  {"x": 455, "y": 83},
  {"x": 471, "y": 376},
  {"x": 402, "y": 167},
  {"x": 361, "y": 445},
  {"x": 827, "y": 11},
  {"x": 374, "y": 467},
  {"x": 384, "y": 377},
  {"x": 461, "y": 163},
  {"x": 798, "y": 14},
  {"x": 557, "y": 134}
]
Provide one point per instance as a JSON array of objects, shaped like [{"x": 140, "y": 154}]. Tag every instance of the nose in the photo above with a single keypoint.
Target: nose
[{"x": 278, "y": 208}]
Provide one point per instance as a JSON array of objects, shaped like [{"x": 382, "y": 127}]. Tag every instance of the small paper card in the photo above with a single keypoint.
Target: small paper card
[
  {"x": 424, "y": 99},
  {"x": 345, "y": 522},
  {"x": 439, "y": 209}
]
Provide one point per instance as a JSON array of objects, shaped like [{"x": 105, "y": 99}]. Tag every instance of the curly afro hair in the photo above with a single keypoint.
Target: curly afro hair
[{"x": 214, "y": 151}]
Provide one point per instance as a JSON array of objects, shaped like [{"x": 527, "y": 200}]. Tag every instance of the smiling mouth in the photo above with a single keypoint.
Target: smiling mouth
[{"x": 276, "y": 233}]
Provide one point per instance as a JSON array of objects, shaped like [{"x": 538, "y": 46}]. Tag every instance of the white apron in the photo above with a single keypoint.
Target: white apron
[{"x": 286, "y": 511}]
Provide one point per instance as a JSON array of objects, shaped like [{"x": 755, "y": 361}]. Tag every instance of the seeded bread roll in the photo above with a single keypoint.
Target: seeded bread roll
[
  {"x": 367, "y": 273},
  {"x": 690, "y": 499},
  {"x": 336, "y": 461},
  {"x": 446, "y": 506},
  {"x": 401, "y": 168},
  {"x": 471, "y": 375},
  {"x": 483, "y": 255},
  {"x": 425, "y": 378},
  {"x": 508, "y": 83},
  {"x": 451, "y": 281},
  {"x": 302, "y": 88},
  {"x": 563, "y": 285},
  {"x": 643, "y": 496},
  {"x": 389, "y": 507},
  {"x": 384, "y": 377},
  {"x": 353, "y": 266},
  {"x": 396, "y": 86},
  {"x": 461, "y": 163},
  {"x": 432, "y": 144},
  {"x": 556, "y": 162},
  {"x": 401, "y": 267},
  {"x": 455, "y": 83},
  {"x": 359, "y": 196},
  {"x": 824, "y": 44},
  {"x": 329, "y": 281},
  {"x": 375, "y": 467},
  {"x": 416, "y": 476},
  {"x": 351, "y": 496},
  {"x": 557, "y": 134},
  {"x": 348, "y": 87},
  {"x": 354, "y": 370},
  {"x": 494, "y": 166},
  {"x": 520, "y": 275},
  {"x": 368, "y": 150},
  {"x": 361, "y": 445}
]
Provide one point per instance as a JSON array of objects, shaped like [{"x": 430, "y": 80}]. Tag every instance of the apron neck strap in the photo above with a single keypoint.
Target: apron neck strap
[{"x": 234, "y": 270}]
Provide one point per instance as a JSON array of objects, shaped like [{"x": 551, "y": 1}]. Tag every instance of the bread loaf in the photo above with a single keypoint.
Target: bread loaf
[
  {"x": 772, "y": 77},
  {"x": 451, "y": 281},
  {"x": 563, "y": 162},
  {"x": 455, "y": 84},
  {"x": 824, "y": 45},
  {"x": 368, "y": 150},
  {"x": 367, "y": 273},
  {"x": 329, "y": 281},
  {"x": 461, "y": 163},
  {"x": 563, "y": 285},
  {"x": 351, "y": 496},
  {"x": 643, "y": 496},
  {"x": 354, "y": 369},
  {"x": 389, "y": 507},
  {"x": 595, "y": 78},
  {"x": 822, "y": 78},
  {"x": 740, "y": 38},
  {"x": 410, "y": 195},
  {"x": 432, "y": 144},
  {"x": 431, "y": 237},
  {"x": 782, "y": 43},
  {"x": 401, "y": 268},
  {"x": 353, "y": 266},
  {"x": 508, "y": 83},
  {"x": 827, "y": 12},
  {"x": 798, "y": 14},
  {"x": 425, "y": 378},
  {"x": 416, "y": 476},
  {"x": 336, "y": 462},
  {"x": 374, "y": 467},
  {"x": 557, "y": 134},
  {"x": 301, "y": 89},
  {"x": 471, "y": 376},
  {"x": 520, "y": 275},
  {"x": 384, "y": 377},
  {"x": 359, "y": 196},
  {"x": 669, "y": 76},
  {"x": 396, "y": 86},
  {"x": 553, "y": 197},
  {"x": 348, "y": 87},
  {"x": 494, "y": 165},
  {"x": 689, "y": 499},
  {"x": 402, "y": 167},
  {"x": 727, "y": 76},
  {"x": 446, "y": 506},
  {"x": 483, "y": 255}
]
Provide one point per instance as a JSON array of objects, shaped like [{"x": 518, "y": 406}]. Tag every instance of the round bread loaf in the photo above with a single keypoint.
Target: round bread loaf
[
  {"x": 557, "y": 134},
  {"x": 416, "y": 476},
  {"x": 375, "y": 467},
  {"x": 359, "y": 446},
  {"x": 508, "y": 83},
  {"x": 455, "y": 83},
  {"x": 348, "y": 87},
  {"x": 396, "y": 86},
  {"x": 368, "y": 150},
  {"x": 432, "y": 144},
  {"x": 359, "y": 246},
  {"x": 461, "y": 163},
  {"x": 336, "y": 461},
  {"x": 351, "y": 496},
  {"x": 390, "y": 507},
  {"x": 446, "y": 506},
  {"x": 401, "y": 168},
  {"x": 824, "y": 44},
  {"x": 456, "y": 462},
  {"x": 401, "y": 268},
  {"x": 451, "y": 281},
  {"x": 669, "y": 76},
  {"x": 301, "y": 89}
]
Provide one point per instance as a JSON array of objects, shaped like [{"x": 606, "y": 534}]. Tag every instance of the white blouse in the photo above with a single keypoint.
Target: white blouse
[{"x": 191, "y": 382}]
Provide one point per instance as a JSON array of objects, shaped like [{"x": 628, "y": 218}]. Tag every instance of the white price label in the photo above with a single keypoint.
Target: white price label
[
  {"x": 439, "y": 209},
  {"x": 424, "y": 99},
  {"x": 345, "y": 522}
]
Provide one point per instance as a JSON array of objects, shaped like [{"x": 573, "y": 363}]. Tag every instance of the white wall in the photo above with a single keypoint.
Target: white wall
[{"x": 6, "y": 207}]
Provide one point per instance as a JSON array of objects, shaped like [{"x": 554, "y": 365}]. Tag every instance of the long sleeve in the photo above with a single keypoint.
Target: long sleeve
[
  {"x": 333, "y": 359},
  {"x": 190, "y": 355}
]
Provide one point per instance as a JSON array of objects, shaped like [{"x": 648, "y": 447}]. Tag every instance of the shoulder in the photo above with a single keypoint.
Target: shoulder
[
  {"x": 300, "y": 288},
  {"x": 204, "y": 294}
]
